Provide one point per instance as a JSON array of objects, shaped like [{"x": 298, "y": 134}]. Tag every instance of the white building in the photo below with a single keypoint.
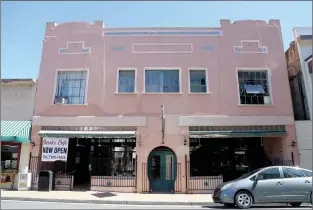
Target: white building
[
  {"x": 299, "y": 62},
  {"x": 17, "y": 105}
]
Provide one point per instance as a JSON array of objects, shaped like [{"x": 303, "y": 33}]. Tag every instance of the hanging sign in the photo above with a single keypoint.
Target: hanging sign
[{"x": 54, "y": 148}]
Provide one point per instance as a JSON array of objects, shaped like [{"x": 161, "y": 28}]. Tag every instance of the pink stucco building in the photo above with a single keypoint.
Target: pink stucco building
[{"x": 224, "y": 92}]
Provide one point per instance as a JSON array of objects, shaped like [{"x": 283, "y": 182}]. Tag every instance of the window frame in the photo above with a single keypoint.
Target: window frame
[
  {"x": 164, "y": 69},
  {"x": 118, "y": 77},
  {"x": 206, "y": 79},
  {"x": 71, "y": 70},
  {"x": 269, "y": 83}
]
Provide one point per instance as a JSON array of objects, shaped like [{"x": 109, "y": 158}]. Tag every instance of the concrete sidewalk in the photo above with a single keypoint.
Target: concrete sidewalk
[{"x": 109, "y": 197}]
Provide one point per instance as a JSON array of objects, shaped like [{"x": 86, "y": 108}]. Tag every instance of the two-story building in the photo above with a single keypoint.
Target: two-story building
[
  {"x": 17, "y": 105},
  {"x": 162, "y": 109},
  {"x": 299, "y": 63}
]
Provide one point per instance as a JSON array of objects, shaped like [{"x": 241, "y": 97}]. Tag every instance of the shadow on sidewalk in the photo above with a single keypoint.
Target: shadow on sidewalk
[{"x": 103, "y": 194}]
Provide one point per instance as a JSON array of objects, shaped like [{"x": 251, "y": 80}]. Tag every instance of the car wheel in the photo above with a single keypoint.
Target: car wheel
[
  {"x": 229, "y": 205},
  {"x": 295, "y": 204},
  {"x": 243, "y": 200}
]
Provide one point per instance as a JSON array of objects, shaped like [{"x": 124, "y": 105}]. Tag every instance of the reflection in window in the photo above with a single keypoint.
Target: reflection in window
[
  {"x": 198, "y": 81},
  {"x": 126, "y": 81},
  {"x": 292, "y": 173},
  {"x": 307, "y": 173},
  {"x": 162, "y": 81},
  {"x": 71, "y": 85},
  {"x": 271, "y": 173}
]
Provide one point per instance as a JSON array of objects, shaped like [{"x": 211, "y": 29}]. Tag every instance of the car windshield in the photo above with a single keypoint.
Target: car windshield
[{"x": 249, "y": 173}]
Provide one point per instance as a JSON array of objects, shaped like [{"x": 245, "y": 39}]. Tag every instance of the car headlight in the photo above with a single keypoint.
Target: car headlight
[{"x": 226, "y": 186}]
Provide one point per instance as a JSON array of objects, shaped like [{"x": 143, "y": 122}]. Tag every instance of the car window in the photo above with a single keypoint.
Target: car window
[
  {"x": 292, "y": 173},
  {"x": 307, "y": 173},
  {"x": 271, "y": 173}
]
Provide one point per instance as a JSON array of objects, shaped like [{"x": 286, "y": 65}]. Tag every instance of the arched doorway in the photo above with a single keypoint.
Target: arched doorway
[{"x": 162, "y": 170}]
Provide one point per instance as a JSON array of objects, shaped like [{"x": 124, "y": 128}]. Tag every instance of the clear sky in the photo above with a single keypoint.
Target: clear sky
[{"x": 23, "y": 23}]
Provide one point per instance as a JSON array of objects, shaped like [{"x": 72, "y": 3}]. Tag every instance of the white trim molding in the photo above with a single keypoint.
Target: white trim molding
[
  {"x": 162, "y": 68},
  {"x": 269, "y": 80},
  {"x": 159, "y": 32},
  {"x": 117, "y": 79},
  {"x": 73, "y": 70},
  {"x": 206, "y": 79},
  {"x": 262, "y": 49},
  {"x": 84, "y": 50},
  {"x": 90, "y": 121},
  {"x": 160, "y": 45}
]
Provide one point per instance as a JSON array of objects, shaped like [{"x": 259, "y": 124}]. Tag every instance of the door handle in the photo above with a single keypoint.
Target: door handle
[
  {"x": 279, "y": 183},
  {"x": 307, "y": 181}
]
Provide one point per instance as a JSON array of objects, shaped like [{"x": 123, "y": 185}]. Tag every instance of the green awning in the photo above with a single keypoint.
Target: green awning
[
  {"x": 237, "y": 133},
  {"x": 88, "y": 134},
  {"x": 15, "y": 131}
]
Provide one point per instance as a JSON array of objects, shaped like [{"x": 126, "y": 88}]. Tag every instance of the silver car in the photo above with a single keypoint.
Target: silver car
[{"x": 275, "y": 184}]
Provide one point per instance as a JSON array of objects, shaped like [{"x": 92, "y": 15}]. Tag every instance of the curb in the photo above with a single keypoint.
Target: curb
[{"x": 110, "y": 201}]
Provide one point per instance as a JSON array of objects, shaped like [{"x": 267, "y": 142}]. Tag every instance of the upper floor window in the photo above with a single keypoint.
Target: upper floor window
[
  {"x": 126, "y": 81},
  {"x": 70, "y": 87},
  {"x": 254, "y": 87},
  {"x": 198, "y": 81},
  {"x": 162, "y": 81}
]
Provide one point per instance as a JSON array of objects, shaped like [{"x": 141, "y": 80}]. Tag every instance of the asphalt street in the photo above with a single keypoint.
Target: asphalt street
[{"x": 54, "y": 205}]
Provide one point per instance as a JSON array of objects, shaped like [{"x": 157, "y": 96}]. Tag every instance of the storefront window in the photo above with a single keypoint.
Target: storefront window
[
  {"x": 9, "y": 155},
  {"x": 9, "y": 164}
]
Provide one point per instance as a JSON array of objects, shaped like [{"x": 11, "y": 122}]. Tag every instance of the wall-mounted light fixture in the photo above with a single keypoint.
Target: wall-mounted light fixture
[
  {"x": 293, "y": 143},
  {"x": 139, "y": 140},
  {"x": 32, "y": 143},
  {"x": 185, "y": 141}
]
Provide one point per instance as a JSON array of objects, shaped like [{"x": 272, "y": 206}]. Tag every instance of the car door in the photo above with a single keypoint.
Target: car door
[
  {"x": 297, "y": 186},
  {"x": 269, "y": 189}
]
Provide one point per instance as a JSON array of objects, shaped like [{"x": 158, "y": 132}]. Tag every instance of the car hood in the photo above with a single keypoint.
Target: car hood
[{"x": 222, "y": 185}]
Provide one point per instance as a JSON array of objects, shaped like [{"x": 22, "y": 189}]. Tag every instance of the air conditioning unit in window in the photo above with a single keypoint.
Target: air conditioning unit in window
[
  {"x": 60, "y": 100},
  {"x": 267, "y": 100}
]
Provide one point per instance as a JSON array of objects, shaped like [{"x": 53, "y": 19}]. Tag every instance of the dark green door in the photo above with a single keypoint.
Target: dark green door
[{"x": 162, "y": 170}]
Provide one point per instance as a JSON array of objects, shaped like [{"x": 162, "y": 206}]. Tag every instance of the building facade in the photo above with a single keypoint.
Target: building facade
[
  {"x": 299, "y": 63},
  {"x": 17, "y": 105},
  {"x": 169, "y": 94}
]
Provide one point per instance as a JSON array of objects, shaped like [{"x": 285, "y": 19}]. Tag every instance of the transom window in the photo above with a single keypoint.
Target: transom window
[
  {"x": 71, "y": 87},
  {"x": 198, "y": 81},
  {"x": 253, "y": 87},
  {"x": 162, "y": 81},
  {"x": 126, "y": 81}
]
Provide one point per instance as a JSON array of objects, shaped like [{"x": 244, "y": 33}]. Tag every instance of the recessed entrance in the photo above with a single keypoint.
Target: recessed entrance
[{"x": 162, "y": 170}]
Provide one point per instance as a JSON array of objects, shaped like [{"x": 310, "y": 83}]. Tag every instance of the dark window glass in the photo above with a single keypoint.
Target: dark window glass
[
  {"x": 253, "y": 87},
  {"x": 271, "y": 173},
  {"x": 156, "y": 167},
  {"x": 198, "y": 81}
]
